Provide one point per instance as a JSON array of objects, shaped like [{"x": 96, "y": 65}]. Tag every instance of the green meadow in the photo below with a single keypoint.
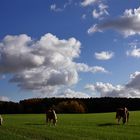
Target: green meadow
[{"x": 100, "y": 126}]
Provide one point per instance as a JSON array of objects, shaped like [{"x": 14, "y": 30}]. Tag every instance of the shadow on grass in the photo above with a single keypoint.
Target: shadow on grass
[
  {"x": 135, "y": 125},
  {"x": 35, "y": 124},
  {"x": 107, "y": 124}
]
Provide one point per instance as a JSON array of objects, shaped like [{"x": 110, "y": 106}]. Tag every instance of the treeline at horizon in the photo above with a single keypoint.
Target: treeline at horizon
[{"x": 69, "y": 105}]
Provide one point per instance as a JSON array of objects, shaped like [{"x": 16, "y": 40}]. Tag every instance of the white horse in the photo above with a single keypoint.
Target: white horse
[{"x": 51, "y": 117}]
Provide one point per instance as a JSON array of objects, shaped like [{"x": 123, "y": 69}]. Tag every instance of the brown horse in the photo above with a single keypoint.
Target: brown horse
[
  {"x": 51, "y": 117},
  {"x": 122, "y": 113}
]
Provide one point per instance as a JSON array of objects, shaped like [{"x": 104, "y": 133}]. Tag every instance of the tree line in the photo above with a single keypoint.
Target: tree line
[{"x": 69, "y": 105}]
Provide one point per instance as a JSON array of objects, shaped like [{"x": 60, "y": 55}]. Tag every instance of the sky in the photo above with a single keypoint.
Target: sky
[{"x": 69, "y": 48}]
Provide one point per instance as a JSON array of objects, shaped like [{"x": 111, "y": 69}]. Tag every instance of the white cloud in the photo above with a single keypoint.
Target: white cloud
[
  {"x": 134, "y": 82},
  {"x": 15, "y": 55},
  {"x": 94, "y": 69},
  {"x": 4, "y": 98},
  {"x": 44, "y": 65},
  {"x": 102, "y": 87},
  {"x": 134, "y": 52},
  {"x": 84, "y": 16},
  {"x": 106, "y": 89},
  {"x": 90, "y": 87},
  {"x": 101, "y": 12},
  {"x": 130, "y": 89},
  {"x": 54, "y": 8},
  {"x": 134, "y": 75},
  {"x": 88, "y": 2},
  {"x": 69, "y": 2},
  {"x": 41, "y": 64},
  {"x": 128, "y": 24},
  {"x": 94, "y": 28},
  {"x": 68, "y": 93},
  {"x": 104, "y": 55}
]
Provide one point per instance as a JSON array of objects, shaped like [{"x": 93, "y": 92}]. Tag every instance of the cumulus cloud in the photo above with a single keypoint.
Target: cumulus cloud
[
  {"x": 47, "y": 62},
  {"x": 4, "y": 98},
  {"x": 107, "y": 89},
  {"x": 134, "y": 52},
  {"x": 127, "y": 24},
  {"x": 130, "y": 89},
  {"x": 134, "y": 81},
  {"x": 94, "y": 69},
  {"x": 102, "y": 87},
  {"x": 44, "y": 65},
  {"x": 88, "y": 2},
  {"x": 71, "y": 93},
  {"x": 15, "y": 55},
  {"x": 104, "y": 55}
]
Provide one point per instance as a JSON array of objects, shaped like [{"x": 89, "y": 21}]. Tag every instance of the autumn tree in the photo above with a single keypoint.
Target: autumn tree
[{"x": 71, "y": 106}]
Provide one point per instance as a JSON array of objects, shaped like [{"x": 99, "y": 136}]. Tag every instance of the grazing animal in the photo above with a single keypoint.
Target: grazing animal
[
  {"x": 1, "y": 120},
  {"x": 122, "y": 113},
  {"x": 51, "y": 117}
]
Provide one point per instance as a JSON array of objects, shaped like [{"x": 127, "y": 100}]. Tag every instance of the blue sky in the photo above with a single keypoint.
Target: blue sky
[{"x": 68, "y": 48}]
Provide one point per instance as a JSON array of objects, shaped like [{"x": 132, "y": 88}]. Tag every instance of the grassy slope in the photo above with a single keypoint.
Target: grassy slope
[{"x": 70, "y": 127}]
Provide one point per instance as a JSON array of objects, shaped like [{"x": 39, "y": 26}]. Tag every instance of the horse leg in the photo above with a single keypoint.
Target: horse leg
[
  {"x": 119, "y": 119},
  {"x": 54, "y": 122},
  {"x": 124, "y": 119},
  {"x": 48, "y": 120}
]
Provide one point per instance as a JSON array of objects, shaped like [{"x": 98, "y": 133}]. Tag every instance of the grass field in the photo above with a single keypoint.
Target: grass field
[{"x": 100, "y": 126}]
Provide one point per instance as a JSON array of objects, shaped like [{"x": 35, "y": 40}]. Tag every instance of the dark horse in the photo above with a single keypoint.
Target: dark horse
[
  {"x": 51, "y": 116},
  {"x": 122, "y": 113}
]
